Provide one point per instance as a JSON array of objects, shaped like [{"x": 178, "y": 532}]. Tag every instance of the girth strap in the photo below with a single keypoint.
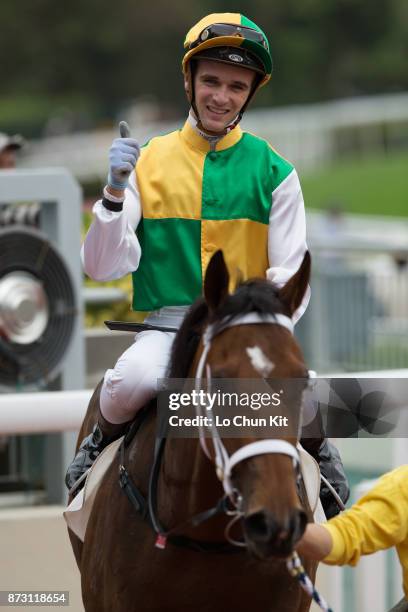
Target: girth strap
[{"x": 132, "y": 492}]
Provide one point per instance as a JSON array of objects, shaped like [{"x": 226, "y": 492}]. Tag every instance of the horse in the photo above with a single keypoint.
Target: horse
[{"x": 123, "y": 565}]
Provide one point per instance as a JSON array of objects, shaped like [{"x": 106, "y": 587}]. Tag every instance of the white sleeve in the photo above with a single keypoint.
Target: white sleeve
[
  {"x": 287, "y": 235},
  {"x": 111, "y": 249}
]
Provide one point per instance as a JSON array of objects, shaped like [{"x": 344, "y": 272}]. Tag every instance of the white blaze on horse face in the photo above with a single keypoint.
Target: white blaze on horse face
[{"x": 259, "y": 361}]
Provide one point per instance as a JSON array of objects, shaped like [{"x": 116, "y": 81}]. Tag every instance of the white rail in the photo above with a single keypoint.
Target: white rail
[
  {"x": 42, "y": 412},
  {"x": 52, "y": 411}
]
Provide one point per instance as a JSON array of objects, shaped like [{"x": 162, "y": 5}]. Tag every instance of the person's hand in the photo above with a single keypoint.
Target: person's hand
[
  {"x": 123, "y": 156},
  {"x": 316, "y": 542}
]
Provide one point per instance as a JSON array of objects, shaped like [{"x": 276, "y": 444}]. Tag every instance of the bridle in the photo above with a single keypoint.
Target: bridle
[
  {"x": 224, "y": 463},
  {"x": 231, "y": 502}
]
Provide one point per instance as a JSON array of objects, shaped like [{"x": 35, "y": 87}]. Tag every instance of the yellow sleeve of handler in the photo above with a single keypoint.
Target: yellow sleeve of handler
[{"x": 379, "y": 520}]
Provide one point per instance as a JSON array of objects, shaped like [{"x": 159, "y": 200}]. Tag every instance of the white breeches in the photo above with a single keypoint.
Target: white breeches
[{"x": 133, "y": 381}]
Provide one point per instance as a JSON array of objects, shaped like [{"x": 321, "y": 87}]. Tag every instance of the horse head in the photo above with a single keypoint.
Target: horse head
[{"x": 267, "y": 484}]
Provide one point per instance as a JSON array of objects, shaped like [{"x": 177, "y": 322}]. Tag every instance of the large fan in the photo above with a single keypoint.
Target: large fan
[{"x": 37, "y": 308}]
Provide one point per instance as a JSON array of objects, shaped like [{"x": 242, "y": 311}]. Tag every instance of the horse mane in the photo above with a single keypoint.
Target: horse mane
[
  {"x": 187, "y": 339},
  {"x": 256, "y": 295}
]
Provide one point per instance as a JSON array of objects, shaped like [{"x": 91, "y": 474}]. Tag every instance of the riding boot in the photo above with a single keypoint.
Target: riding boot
[
  {"x": 102, "y": 434},
  {"x": 331, "y": 466},
  {"x": 401, "y": 606}
]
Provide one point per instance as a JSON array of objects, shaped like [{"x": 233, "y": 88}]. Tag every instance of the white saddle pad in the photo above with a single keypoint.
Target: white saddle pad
[
  {"x": 311, "y": 477},
  {"x": 78, "y": 512}
]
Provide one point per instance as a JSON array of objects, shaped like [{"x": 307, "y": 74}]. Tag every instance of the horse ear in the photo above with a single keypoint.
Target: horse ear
[
  {"x": 293, "y": 292},
  {"x": 216, "y": 281}
]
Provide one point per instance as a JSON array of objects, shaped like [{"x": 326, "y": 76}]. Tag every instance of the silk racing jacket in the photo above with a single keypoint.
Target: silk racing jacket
[{"x": 189, "y": 197}]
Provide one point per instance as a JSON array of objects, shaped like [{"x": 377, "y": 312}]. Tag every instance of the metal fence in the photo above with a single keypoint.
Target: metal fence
[{"x": 358, "y": 316}]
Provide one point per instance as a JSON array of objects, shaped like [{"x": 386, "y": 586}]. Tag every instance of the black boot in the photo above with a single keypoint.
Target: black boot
[
  {"x": 102, "y": 434},
  {"x": 328, "y": 458},
  {"x": 331, "y": 466}
]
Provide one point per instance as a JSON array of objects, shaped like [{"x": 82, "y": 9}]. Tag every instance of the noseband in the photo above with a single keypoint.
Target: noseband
[{"x": 224, "y": 463}]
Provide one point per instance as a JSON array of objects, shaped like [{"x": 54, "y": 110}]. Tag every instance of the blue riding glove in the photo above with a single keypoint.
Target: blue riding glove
[{"x": 123, "y": 156}]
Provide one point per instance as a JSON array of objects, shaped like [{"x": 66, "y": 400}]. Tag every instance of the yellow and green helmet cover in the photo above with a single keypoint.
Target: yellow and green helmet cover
[{"x": 228, "y": 30}]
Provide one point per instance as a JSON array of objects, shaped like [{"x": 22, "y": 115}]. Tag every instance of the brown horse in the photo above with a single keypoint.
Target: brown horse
[{"x": 121, "y": 568}]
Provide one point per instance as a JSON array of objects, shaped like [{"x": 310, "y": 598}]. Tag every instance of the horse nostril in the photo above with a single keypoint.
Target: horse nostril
[
  {"x": 260, "y": 526},
  {"x": 298, "y": 524}
]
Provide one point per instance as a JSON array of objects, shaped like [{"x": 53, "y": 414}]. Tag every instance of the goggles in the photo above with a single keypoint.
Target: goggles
[{"x": 225, "y": 29}]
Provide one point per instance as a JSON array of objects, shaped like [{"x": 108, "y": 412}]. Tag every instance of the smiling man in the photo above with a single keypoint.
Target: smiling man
[
  {"x": 168, "y": 207},
  {"x": 220, "y": 93}
]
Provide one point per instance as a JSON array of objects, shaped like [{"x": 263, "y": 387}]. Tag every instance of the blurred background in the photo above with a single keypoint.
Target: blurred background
[{"x": 336, "y": 106}]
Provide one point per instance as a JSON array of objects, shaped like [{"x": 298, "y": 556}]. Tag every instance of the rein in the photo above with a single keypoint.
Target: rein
[{"x": 146, "y": 507}]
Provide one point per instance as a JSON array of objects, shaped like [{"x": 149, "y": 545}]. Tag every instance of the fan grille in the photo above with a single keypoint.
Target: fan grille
[{"x": 25, "y": 249}]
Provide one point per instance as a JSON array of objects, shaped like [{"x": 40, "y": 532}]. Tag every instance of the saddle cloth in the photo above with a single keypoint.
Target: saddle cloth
[{"x": 77, "y": 513}]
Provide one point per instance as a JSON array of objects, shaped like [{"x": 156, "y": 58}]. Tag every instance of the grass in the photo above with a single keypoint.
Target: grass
[{"x": 376, "y": 185}]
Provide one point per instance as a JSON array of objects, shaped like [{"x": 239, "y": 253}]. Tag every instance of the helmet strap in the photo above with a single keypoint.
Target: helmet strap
[
  {"x": 257, "y": 80},
  {"x": 213, "y": 136}
]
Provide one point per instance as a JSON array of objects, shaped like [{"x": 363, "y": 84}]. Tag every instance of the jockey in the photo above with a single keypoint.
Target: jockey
[{"x": 168, "y": 207}]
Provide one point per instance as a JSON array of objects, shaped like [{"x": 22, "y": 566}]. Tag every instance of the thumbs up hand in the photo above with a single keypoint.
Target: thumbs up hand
[{"x": 123, "y": 156}]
